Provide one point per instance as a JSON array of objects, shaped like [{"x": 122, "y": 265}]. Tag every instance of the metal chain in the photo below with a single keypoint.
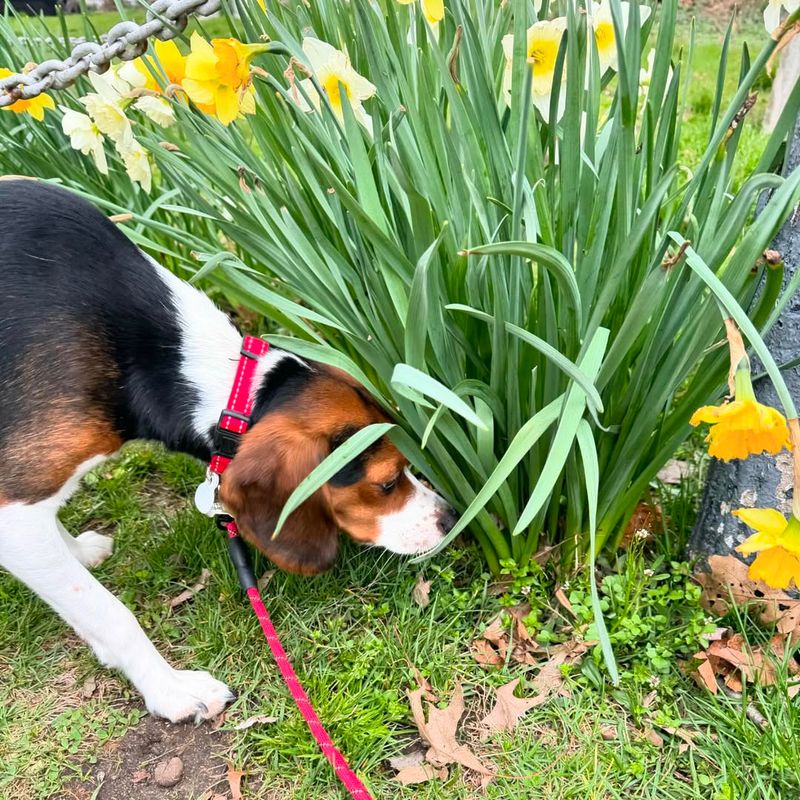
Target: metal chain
[{"x": 127, "y": 41}]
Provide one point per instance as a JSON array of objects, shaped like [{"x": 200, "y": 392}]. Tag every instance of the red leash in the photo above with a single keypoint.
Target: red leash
[{"x": 233, "y": 422}]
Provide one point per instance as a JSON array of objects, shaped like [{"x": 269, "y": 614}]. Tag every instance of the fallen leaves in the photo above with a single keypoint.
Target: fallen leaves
[
  {"x": 439, "y": 731},
  {"x": 508, "y": 709},
  {"x": 727, "y": 584},
  {"x": 188, "y": 594},
  {"x": 258, "y": 719},
  {"x": 731, "y": 660},
  {"x": 420, "y": 773},
  {"x": 234, "y": 777},
  {"x": 421, "y": 592}
]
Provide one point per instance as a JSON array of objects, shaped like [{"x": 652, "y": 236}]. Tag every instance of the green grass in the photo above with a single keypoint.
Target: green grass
[{"x": 354, "y": 636}]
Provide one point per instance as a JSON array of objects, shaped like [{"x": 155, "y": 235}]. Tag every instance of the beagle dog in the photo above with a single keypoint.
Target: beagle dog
[{"x": 100, "y": 345}]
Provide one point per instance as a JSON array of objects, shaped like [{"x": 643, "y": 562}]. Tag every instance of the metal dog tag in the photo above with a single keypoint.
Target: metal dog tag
[{"x": 205, "y": 496}]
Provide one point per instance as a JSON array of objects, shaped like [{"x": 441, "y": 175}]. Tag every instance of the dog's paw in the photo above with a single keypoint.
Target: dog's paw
[
  {"x": 93, "y": 548},
  {"x": 188, "y": 695}
]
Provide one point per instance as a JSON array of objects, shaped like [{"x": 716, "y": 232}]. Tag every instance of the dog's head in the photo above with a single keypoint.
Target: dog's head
[{"x": 374, "y": 498}]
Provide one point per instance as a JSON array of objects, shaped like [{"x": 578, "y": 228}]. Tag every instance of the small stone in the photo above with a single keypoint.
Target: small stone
[{"x": 169, "y": 773}]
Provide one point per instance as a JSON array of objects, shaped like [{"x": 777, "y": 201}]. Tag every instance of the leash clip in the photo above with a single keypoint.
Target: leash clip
[{"x": 205, "y": 496}]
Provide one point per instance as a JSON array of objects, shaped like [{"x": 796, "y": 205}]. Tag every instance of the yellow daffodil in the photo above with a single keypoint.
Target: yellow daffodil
[
  {"x": 777, "y": 542},
  {"x": 338, "y": 80},
  {"x": 168, "y": 61},
  {"x": 156, "y": 109},
  {"x": 35, "y": 107},
  {"x": 137, "y": 164},
  {"x": 85, "y": 136},
  {"x": 543, "y": 40},
  {"x": 433, "y": 10},
  {"x": 218, "y": 77},
  {"x": 743, "y": 427},
  {"x": 604, "y": 34}
]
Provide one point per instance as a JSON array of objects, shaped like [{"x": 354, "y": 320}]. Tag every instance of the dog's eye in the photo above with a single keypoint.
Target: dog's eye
[{"x": 388, "y": 487}]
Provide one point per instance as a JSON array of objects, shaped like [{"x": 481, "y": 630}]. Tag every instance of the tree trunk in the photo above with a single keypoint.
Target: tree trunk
[
  {"x": 760, "y": 481},
  {"x": 786, "y": 79}
]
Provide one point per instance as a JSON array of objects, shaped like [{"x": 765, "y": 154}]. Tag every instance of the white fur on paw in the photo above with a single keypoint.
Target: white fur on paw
[
  {"x": 93, "y": 548},
  {"x": 188, "y": 695}
]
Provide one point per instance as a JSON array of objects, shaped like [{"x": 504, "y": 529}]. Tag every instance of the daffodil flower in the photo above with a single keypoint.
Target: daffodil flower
[
  {"x": 772, "y": 13},
  {"x": 338, "y": 79},
  {"x": 646, "y": 73},
  {"x": 106, "y": 106},
  {"x": 432, "y": 10},
  {"x": 85, "y": 136},
  {"x": 604, "y": 34},
  {"x": 137, "y": 164},
  {"x": 156, "y": 109},
  {"x": 777, "y": 542},
  {"x": 743, "y": 427},
  {"x": 169, "y": 61},
  {"x": 543, "y": 40},
  {"x": 36, "y": 106},
  {"x": 218, "y": 77}
]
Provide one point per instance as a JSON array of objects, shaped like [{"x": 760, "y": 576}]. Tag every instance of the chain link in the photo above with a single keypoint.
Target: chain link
[{"x": 126, "y": 40}]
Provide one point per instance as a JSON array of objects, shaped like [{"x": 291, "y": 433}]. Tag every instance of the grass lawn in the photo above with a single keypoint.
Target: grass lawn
[{"x": 355, "y": 636}]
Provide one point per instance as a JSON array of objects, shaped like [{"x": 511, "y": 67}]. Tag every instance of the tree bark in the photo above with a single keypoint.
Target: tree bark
[
  {"x": 760, "y": 481},
  {"x": 786, "y": 79}
]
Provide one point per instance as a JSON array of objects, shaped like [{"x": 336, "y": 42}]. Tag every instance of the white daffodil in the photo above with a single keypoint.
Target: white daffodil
[
  {"x": 772, "y": 13},
  {"x": 646, "y": 73},
  {"x": 157, "y": 109},
  {"x": 336, "y": 76},
  {"x": 543, "y": 40},
  {"x": 137, "y": 164},
  {"x": 604, "y": 34},
  {"x": 85, "y": 136}
]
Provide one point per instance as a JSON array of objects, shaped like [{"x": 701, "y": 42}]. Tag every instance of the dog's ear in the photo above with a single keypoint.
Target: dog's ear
[{"x": 274, "y": 456}]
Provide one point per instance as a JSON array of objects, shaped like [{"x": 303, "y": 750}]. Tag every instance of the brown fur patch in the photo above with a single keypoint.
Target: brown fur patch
[{"x": 39, "y": 460}]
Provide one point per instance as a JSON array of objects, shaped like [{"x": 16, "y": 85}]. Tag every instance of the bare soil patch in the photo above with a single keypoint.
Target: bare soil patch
[{"x": 126, "y": 767}]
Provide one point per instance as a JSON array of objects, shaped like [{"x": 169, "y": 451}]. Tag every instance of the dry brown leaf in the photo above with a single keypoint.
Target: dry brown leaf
[
  {"x": 608, "y": 732},
  {"x": 508, "y": 709},
  {"x": 673, "y": 471},
  {"x": 89, "y": 687},
  {"x": 421, "y": 592},
  {"x": 420, "y": 773},
  {"x": 439, "y": 731},
  {"x": 485, "y": 654},
  {"x": 265, "y": 579},
  {"x": 427, "y": 689},
  {"x": 259, "y": 719},
  {"x": 728, "y": 579},
  {"x": 653, "y": 738},
  {"x": 647, "y": 519},
  {"x": 406, "y": 760},
  {"x": 704, "y": 673},
  {"x": 188, "y": 594},
  {"x": 563, "y": 601},
  {"x": 140, "y": 776},
  {"x": 235, "y": 783}
]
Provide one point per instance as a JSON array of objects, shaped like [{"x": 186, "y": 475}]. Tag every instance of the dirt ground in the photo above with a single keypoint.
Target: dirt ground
[{"x": 126, "y": 767}]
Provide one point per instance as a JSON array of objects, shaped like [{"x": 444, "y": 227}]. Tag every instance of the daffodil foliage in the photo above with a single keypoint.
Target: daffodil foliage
[{"x": 473, "y": 208}]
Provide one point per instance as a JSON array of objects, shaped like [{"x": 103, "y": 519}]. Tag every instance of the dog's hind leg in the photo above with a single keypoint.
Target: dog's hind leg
[
  {"x": 90, "y": 548},
  {"x": 33, "y": 549}
]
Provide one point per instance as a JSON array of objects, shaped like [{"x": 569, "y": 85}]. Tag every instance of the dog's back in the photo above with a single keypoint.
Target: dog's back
[{"x": 87, "y": 333}]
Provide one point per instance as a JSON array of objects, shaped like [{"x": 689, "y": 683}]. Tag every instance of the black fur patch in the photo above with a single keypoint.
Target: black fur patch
[
  {"x": 68, "y": 275},
  {"x": 282, "y": 384}
]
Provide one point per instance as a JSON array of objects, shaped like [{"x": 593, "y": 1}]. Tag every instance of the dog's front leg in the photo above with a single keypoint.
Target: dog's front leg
[{"x": 33, "y": 549}]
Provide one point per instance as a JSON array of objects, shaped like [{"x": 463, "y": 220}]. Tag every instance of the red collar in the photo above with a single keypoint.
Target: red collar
[{"x": 233, "y": 422}]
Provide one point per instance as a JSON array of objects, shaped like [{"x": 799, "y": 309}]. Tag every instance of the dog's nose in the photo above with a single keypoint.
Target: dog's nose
[{"x": 447, "y": 519}]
